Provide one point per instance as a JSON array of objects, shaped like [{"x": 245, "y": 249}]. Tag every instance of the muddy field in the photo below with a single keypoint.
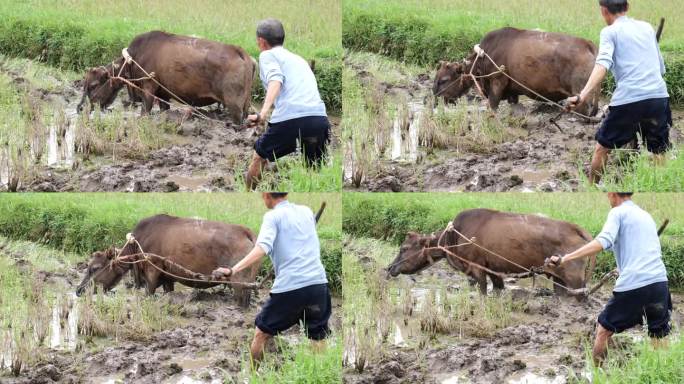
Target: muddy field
[
  {"x": 538, "y": 155},
  {"x": 543, "y": 338},
  {"x": 197, "y": 155},
  {"x": 207, "y": 344}
]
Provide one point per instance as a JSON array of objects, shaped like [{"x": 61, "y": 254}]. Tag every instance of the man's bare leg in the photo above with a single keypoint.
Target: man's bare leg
[
  {"x": 659, "y": 159},
  {"x": 253, "y": 175},
  {"x": 257, "y": 348},
  {"x": 659, "y": 342},
  {"x": 597, "y": 163},
  {"x": 600, "y": 344},
  {"x": 318, "y": 346}
]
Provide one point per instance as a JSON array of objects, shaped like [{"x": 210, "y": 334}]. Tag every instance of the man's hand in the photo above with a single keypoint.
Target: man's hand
[
  {"x": 221, "y": 273},
  {"x": 554, "y": 261},
  {"x": 572, "y": 102},
  {"x": 252, "y": 120}
]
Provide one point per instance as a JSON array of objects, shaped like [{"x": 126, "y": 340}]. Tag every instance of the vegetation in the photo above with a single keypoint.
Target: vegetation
[
  {"x": 299, "y": 363},
  {"x": 390, "y": 216},
  {"x": 77, "y": 34},
  {"x": 640, "y": 171},
  {"x": 643, "y": 364},
  {"x": 83, "y": 223},
  {"x": 425, "y": 32},
  {"x": 438, "y": 312}
]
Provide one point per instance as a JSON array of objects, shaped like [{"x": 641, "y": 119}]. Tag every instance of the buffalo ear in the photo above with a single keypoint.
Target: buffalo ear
[
  {"x": 425, "y": 241},
  {"x": 410, "y": 235},
  {"x": 442, "y": 64}
]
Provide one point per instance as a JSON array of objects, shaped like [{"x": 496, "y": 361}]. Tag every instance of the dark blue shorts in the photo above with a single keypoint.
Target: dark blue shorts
[
  {"x": 652, "y": 118},
  {"x": 628, "y": 309},
  {"x": 310, "y": 305},
  {"x": 280, "y": 139}
]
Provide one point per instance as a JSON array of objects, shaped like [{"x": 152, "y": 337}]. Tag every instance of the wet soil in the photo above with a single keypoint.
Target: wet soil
[
  {"x": 201, "y": 155},
  {"x": 209, "y": 344},
  {"x": 544, "y": 156},
  {"x": 546, "y": 342}
]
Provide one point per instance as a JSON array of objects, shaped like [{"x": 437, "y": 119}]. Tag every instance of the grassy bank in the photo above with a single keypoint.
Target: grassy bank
[
  {"x": 424, "y": 32},
  {"x": 83, "y": 223},
  {"x": 390, "y": 216},
  {"x": 77, "y": 34}
]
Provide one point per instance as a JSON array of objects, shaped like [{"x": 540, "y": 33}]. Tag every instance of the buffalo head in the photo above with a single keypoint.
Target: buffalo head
[
  {"x": 415, "y": 254},
  {"x": 100, "y": 87},
  {"x": 452, "y": 80},
  {"x": 103, "y": 270}
]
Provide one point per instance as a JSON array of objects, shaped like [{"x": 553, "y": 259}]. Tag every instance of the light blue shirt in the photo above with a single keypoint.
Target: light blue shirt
[
  {"x": 631, "y": 234},
  {"x": 299, "y": 95},
  {"x": 288, "y": 235},
  {"x": 630, "y": 51}
]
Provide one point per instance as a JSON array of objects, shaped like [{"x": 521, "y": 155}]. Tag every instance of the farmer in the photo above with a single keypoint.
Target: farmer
[
  {"x": 300, "y": 291},
  {"x": 299, "y": 111},
  {"x": 640, "y": 103},
  {"x": 641, "y": 288}
]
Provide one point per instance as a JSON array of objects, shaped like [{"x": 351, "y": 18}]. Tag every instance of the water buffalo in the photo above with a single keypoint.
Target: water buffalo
[
  {"x": 198, "y": 245},
  {"x": 555, "y": 65},
  {"x": 200, "y": 72},
  {"x": 525, "y": 239}
]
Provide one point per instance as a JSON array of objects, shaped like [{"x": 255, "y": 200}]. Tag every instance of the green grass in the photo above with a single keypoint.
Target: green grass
[
  {"x": 390, "y": 216},
  {"x": 292, "y": 174},
  {"x": 424, "y": 32},
  {"x": 298, "y": 363},
  {"x": 644, "y": 365},
  {"x": 84, "y": 222},
  {"x": 77, "y": 34},
  {"x": 640, "y": 173}
]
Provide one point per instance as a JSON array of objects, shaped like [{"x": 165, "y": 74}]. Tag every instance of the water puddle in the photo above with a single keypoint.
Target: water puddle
[
  {"x": 64, "y": 324},
  {"x": 532, "y": 378},
  {"x": 60, "y": 146},
  {"x": 405, "y": 132}
]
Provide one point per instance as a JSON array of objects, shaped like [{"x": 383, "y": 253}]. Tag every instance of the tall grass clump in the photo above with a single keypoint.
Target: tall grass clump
[
  {"x": 641, "y": 172},
  {"x": 643, "y": 365},
  {"x": 300, "y": 363},
  {"x": 131, "y": 317}
]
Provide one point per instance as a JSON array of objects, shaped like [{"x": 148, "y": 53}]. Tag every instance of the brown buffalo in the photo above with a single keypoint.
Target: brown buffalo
[
  {"x": 200, "y": 72},
  {"x": 554, "y": 65},
  {"x": 524, "y": 239},
  {"x": 198, "y": 245}
]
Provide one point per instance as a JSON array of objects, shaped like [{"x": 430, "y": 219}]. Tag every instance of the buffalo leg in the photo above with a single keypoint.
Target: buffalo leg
[
  {"x": 481, "y": 279},
  {"x": 497, "y": 283},
  {"x": 149, "y": 89},
  {"x": 163, "y": 104},
  {"x": 152, "y": 280},
  {"x": 168, "y": 285},
  {"x": 495, "y": 92},
  {"x": 560, "y": 291},
  {"x": 242, "y": 296}
]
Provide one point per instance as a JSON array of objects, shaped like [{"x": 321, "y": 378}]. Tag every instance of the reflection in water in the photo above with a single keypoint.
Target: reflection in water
[{"x": 64, "y": 324}]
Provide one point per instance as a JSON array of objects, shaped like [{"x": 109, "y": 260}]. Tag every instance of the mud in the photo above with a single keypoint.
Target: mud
[
  {"x": 209, "y": 345},
  {"x": 201, "y": 155},
  {"x": 546, "y": 342},
  {"x": 545, "y": 156}
]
